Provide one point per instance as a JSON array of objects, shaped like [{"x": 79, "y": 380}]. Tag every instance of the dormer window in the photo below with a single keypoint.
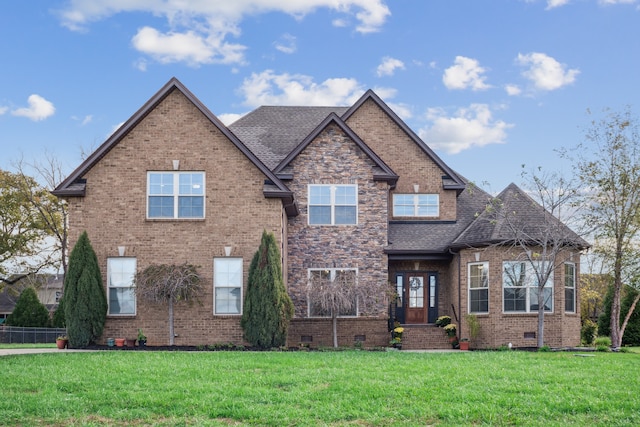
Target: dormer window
[{"x": 416, "y": 205}]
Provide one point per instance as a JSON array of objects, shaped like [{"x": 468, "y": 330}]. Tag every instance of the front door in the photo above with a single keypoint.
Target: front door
[{"x": 417, "y": 298}]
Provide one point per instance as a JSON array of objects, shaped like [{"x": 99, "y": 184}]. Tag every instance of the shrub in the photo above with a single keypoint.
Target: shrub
[
  {"x": 85, "y": 302},
  {"x": 588, "y": 332},
  {"x": 544, "y": 349},
  {"x": 602, "y": 343},
  {"x": 29, "y": 312}
]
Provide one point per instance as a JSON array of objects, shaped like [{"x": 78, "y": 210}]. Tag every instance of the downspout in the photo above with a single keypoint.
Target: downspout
[{"x": 459, "y": 291}]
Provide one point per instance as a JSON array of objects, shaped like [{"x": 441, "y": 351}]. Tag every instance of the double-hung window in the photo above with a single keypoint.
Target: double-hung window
[
  {"x": 332, "y": 287},
  {"x": 121, "y": 273},
  {"x": 227, "y": 285},
  {"x": 175, "y": 195},
  {"x": 333, "y": 204},
  {"x": 570, "y": 288},
  {"x": 416, "y": 205},
  {"x": 479, "y": 287},
  {"x": 520, "y": 288}
]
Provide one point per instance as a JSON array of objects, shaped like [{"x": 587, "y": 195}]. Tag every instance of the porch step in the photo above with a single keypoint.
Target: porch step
[{"x": 420, "y": 337}]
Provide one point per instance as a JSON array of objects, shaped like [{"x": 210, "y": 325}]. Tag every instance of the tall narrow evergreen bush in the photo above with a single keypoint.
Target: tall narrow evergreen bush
[
  {"x": 267, "y": 306},
  {"x": 85, "y": 302},
  {"x": 29, "y": 311}
]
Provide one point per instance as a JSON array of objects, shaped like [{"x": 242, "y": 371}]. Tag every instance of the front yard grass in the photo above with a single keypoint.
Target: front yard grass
[{"x": 356, "y": 388}]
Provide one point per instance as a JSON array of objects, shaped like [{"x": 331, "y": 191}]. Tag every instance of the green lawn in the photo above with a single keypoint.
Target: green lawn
[{"x": 320, "y": 388}]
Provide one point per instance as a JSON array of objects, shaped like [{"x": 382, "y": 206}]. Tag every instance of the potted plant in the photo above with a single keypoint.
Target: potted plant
[
  {"x": 474, "y": 327},
  {"x": 142, "y": 338},
  {"x": 396, "y": 337},
  {"x": 464, "y": 344},
  {"x": 451, "y": 331},
  {"x": 62, "y": 342},
  {"x": 443, "y": 321}
]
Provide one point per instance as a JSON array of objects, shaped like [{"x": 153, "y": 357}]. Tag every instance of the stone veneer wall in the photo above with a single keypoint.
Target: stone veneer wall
[
  {"x": 497, "y": 328},
  {"x": 236, "y": 212},
  {"x": 333, "y": 158}
]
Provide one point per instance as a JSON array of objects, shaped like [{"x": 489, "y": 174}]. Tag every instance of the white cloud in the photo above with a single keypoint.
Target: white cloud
[
  {"x": 608, "y": 2},
  {"x": 512, "y": 90},
  {"x": 467, "y": 128},
  {"x": 552, "y": 4},
  {"x": 228, "y": 118},
  {"x": 83, "y": 121},
  {"x": 389, "y": 66},
  {"x": 38, "y": 109},
  {"x": 268, "y": 88},
  {"x": 465, "y": 73},
  {"x": 3, "y": 110},
  {"x": 545, "y": 72},
  {"x": 286, "y": 44},
  {"x": 198, "y": 30}
]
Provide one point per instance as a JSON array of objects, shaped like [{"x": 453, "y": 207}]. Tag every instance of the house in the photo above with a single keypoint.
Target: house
[{"x": 342, "y": 189}]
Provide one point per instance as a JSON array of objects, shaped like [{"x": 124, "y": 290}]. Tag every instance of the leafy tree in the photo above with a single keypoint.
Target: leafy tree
[
  {"x": 29, "y": 311},
  {"x": 632, "y": 331},
  {"x": 22, "y": 230},
  {"x": 267, "y": 306},
  {"x": 85, "y": 302},
  {"x": 163, "y": 283},
  {"x": 593, "y": 288},
  {"x": 58, "y": 320},
  {"x": 609, "y": 167}
]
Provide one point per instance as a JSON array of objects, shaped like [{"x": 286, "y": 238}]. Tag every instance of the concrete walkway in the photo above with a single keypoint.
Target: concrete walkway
[{"x": 17, "y": 351}]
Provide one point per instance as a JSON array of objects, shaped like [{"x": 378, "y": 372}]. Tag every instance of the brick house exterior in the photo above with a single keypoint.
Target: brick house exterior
[{"x": 173, "y": 184}]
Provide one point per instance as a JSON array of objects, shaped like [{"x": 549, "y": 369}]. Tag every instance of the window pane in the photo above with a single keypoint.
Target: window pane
[
  {"x": 120, "y": 281},
  {"x": 479, "y": 301},
  {"x": 122, "y": 301},
  {"x": 547, "y": 300},
  {"x": 320, "y": 195},
  {"x": 427, "y": 205},
  {"x": 514, "y": 274},
  {"x": 345, "y": 195},
  {"x": 416, "y": 292},
  {"x": 191, "y": 183},
  {"x": 161, "y": 184},
  {"x": 569, "y": 300},
  {"x": 190, "y": 207},
  {"x": 345, "y": 215},
  {"x": 160, "y": 207},
  {"x": 319, "y": 214},
  {"x": 227, "y": 300},
  {"x": 515, "y": 299},
  {"x": 403, "y": 205},
  {"x": 478, "y": 276}
]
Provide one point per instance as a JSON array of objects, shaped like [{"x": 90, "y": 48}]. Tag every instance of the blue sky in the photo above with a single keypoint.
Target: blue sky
[{"x": 489, "y": 85}]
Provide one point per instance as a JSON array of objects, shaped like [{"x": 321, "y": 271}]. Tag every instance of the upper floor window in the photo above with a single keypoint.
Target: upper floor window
[
  {"x": 175, "y": 194},
  {"x": 121, "y": 273},
  {"x": 333, "y": 204},
  {"x": 227, "y": 285},
  {"x": 479, "y": 287},
  {"x": 416, "y": 205},
  {"x": 570, "y": 287},
  {"x": 520, "y": 286}
]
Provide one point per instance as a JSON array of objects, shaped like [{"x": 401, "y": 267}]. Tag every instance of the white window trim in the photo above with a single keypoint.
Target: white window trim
[
  {"x": 574, "y": 287},
  {"x": 332, "y": 204},
  {"x": 241, "y": 286},
  {"x": 530, "y": 283},
  {"x": 415, "y": 205},
  {"x": 332, "y": 275},
  {"x": 485, "y": 266},
  {"x": 176, "y": 194},
  {"x": 132, "y": 287}
]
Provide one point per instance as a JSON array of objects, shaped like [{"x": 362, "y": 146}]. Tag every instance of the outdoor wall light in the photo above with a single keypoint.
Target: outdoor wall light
[{"x": 121, "y": 250}]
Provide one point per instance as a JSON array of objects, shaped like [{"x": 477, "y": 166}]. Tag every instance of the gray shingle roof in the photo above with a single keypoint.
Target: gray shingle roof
[{"x": 272, "y": 132}]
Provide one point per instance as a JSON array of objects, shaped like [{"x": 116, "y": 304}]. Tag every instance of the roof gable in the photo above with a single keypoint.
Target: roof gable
[
  {"x": 452, "y": 181},
  {"x": 74, "y": 185},
  {"x": 383, "y": 173}
]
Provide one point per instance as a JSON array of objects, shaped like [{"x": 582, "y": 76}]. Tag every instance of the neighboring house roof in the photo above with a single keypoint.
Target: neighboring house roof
[
  {"x": 383, "y": 172},
  {"x": 74, "y": 185},
  {"x": 525, "y": 219}
]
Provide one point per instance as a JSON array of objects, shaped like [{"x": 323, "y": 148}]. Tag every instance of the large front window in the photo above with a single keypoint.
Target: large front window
[
  {"x": 479, "y": 287},
  {"x": 121, "y": 273},
  {"x": 416, "y": 205},
  {"x": 175, "y": 195},
  {"x": 333, "y": 204},
  {"x": 520, "y": 286},
  {"x": 332, "y": 287},
  {"x": 227, "y": 284},
  {"x": 570, "y": 288}
]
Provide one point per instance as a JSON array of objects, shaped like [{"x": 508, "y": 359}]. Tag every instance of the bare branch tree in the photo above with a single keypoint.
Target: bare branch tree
[{"x": 165, "y": 283}]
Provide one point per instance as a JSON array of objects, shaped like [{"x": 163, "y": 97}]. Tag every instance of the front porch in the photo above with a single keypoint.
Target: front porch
[{"x": 425, "y": 336}]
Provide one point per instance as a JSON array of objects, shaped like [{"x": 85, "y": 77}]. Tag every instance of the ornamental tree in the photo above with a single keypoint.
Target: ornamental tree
[
  {"x": 267, "y": 306},
  {"x": 165, "y": 283},
  {"x": 85, "y": 302}
]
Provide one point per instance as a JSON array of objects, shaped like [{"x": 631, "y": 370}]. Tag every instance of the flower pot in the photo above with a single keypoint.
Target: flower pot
[
  {"x": 130, "y": 342},
  {"x": 62, "y": 344},
  {"x": 119, "y": 342},
  {"x": 111, "y": 342},
  {"x": 142, "y": 343},
  {"x": 464, "y": 345}
]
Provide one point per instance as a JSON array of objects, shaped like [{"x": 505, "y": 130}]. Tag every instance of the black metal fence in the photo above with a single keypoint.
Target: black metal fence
[{"x": 18, "y": 335}]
